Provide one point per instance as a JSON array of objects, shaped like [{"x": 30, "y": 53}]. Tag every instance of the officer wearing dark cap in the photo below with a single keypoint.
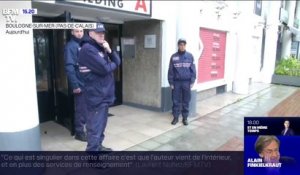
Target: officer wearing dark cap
[
  {"x": 76, "y": 83},
  {"x": 97, "y": 63},
  {"x": 181, "y": 77}
]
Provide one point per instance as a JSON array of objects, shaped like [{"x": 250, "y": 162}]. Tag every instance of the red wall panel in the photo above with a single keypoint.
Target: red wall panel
[{"x": 211, "y": 62}]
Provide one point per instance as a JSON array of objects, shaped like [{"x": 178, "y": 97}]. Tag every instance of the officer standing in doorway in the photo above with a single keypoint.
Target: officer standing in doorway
[
  {"x": 181, "y": 77},
  {"x": 97, "y": 63},
  {"x": 75, "y": 81}
]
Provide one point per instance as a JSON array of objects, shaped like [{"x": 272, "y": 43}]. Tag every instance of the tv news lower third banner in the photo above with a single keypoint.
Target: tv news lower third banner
[{"x": 112, "y": 163}]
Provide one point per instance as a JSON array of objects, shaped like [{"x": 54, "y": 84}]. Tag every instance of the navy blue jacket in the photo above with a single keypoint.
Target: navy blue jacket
[
  {"x": 71, "y": 63},
  {"x": 182, "y": 68},
  {"x": 289, "y": 132},
  {"x": 98, "y": 66}
]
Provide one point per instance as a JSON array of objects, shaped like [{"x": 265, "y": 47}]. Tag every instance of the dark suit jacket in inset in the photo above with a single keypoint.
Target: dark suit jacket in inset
[{"x": 289, "y": 132}]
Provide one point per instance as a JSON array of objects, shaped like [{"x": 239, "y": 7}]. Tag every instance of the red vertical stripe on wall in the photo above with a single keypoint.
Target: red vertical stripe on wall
[{"x": 211, "y": 62}]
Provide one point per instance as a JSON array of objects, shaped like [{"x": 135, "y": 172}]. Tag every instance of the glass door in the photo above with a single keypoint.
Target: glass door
[
  {"x": 55, "y": 100},
  {"x": 64, "y": 103},
  {"x": 43, "y": 68},
  {"x": 113, "y": 37}
]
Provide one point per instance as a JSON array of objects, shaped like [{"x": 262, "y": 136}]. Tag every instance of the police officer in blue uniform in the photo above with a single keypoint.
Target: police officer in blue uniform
[
  {"x": 76, "y": 83},
  {"x": 181, "y": 77},
  {"x": 97, "y": 63}
]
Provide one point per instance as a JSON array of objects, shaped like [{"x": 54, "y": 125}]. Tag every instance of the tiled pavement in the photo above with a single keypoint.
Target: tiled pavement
[
  {"x": 221, "y": 129},
  {"x": 218, "y": 125}
]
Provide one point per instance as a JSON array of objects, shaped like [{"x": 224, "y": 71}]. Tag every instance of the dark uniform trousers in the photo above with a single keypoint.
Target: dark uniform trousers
[
  {"x": 96, "y": 125},
  {"x": 80, "y": 113},
  {"x": 75, "y": 81},
  {"x": 181, "y": 96}
]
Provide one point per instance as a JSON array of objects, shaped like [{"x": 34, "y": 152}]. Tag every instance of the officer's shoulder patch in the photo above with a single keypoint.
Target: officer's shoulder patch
[
  {"x": 101, "y": 54},
  {"x": 175, "y": 58}
]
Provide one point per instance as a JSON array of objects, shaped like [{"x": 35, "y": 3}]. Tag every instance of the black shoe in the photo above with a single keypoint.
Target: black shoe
[
  {"x": 81, "y": 137},
  {"x": 174, "y": 121},
  {"x": 185, "y": 122},
  {"x": 102, "y": 148}
]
